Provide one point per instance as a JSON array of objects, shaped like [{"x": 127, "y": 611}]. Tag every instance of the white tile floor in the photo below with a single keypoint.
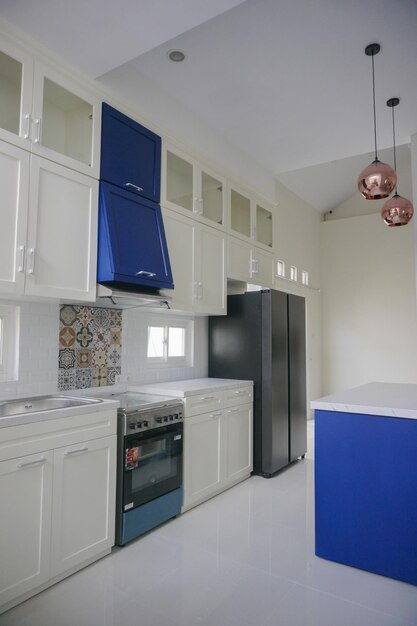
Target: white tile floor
[{"x": 244, "y": 558}]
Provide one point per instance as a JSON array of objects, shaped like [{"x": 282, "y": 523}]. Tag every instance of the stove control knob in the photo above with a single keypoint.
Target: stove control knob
[
  {"x": 171, "y": 418},
  {"x": 139, "y": 424},
  {"x": 132, "y": 426},
  {"x": 158, "y": 419},
  {"x": 165, "y": 418},
  {"x": 145, "y": 424},
  {"x": 175, "y": 416}
]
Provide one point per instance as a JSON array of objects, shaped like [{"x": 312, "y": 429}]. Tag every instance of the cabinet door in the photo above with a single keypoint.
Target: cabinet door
[
  {"x": 262, "y": 268},
  {"x": 62, "y": 232},
  {"x": 132, "y": 245},
  {"x": 238, "y": 442},
  {"x": 238, "y": 260},
  {"x": 209, "y": 257},
  {"x": 66, "y": 121},
  {"x": 211, "y": 196},
  {"x": 240, "y": 213},
  {"x": 203, "y": 463},
  {"x": 180, "y": 233},
  {"x": 178, "y": 181},
  {"x": 83, "y": 502},
  {"x": 130, "y": 155},
  {"x": 16, "y": 82},
  {"x": 263, "y": 225},
  {"x": 14, "y": 185},
  {"x": 25, "y": 523}
]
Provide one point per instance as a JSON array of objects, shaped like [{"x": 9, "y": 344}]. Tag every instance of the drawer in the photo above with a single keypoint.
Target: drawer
[
  {"x": 234, "y": 397},
  {"x": 196, "y": 405}
]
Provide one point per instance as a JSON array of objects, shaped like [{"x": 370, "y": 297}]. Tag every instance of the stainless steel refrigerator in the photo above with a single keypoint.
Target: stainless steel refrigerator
[{"x": 263, "y": 338}]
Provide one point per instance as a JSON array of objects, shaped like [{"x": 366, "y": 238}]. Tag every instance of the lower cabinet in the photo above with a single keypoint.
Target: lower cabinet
[
  {"x": 217, "y": 452},
  {"x": 58, "y": 505},
  {"x": 25, "y": 523}
]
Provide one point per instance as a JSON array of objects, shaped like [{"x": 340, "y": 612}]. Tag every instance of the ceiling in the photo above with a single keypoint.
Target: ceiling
[{"x": 286, "y": 81}]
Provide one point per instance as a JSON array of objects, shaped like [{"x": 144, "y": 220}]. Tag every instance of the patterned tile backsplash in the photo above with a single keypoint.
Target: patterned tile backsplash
[{"x": 89, "y": 347}]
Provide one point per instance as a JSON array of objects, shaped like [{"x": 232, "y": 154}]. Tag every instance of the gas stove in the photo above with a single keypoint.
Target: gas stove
[{"x": 142, "y": 411}]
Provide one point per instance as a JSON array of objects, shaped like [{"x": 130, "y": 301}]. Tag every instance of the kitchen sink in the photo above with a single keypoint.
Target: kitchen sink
[{"x": 44, "y": 403}]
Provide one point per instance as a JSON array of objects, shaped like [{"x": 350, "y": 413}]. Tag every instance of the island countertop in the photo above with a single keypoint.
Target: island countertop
[{"x": 385, "y": 399}]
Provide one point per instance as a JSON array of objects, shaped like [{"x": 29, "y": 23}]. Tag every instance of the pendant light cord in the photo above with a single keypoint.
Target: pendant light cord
[
  {"x": 393, "y": 141},
  {"x": 373, "y": 92}
]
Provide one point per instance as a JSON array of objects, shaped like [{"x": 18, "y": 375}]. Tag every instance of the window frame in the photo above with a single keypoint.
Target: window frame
[
  {"x": 165, "y": 360},
  {"x": 9, "y": 342}
]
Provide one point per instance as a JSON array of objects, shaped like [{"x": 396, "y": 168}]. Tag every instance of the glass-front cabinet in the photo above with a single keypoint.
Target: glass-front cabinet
[
  {"x": 250, "y": 219},
  {"x": 190, "y": 187},
  {"x": 43, "y": 111}
]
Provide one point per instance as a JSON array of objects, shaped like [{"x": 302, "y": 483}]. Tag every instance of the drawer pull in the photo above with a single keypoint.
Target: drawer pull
[
  {"x": 234, "y": 410},
  {"x": 237, "y": 393},
  {"x": 31, "y": 463},
  {"x": 207, "y": 398},
  {"x": 77, "y": 451},
  {"x": 136, "y": 187},
  {"x": 215, "y": 414}
]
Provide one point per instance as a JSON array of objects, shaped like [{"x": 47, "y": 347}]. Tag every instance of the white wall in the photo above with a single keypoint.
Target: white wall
[
  {"x": 134, "y": 347},
  {"x": 369, "y": 321}
]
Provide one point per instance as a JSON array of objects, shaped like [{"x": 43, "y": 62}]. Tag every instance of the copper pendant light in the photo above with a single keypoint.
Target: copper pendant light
[
  {"x": 378, "y": 179},
  {"x": 397, "y": 211}
]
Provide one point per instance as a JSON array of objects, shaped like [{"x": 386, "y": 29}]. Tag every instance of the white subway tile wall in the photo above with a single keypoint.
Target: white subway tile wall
[{"x": 39, "y": 346}]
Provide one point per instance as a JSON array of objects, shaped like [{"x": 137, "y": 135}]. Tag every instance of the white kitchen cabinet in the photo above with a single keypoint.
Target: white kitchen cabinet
[
  {"x": 14, "y": 184},
  {"x": 25, "y": 523},
  {"x": 80, "y": 522},
  {"x": 203, "y": 462},
  {"x": 62, "y": 232},
  {"x": 45, "y": 111},
  {"x": 48, "y": 228},
  {"x": 238, "y": 456},
  {"x": 58, "y": 485},
  {"x": 190, "y": 187},
  {"x": 217, "y": 442},
  {"x": 250, "y": 218},
  {"x": 248, "y": 263},
  {"x": 197, "y": 256}
]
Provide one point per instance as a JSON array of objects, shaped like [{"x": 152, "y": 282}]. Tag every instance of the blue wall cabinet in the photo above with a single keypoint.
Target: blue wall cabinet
[
  {"x": 132, "y": 246},
  {"x": 130, "y": 155}
]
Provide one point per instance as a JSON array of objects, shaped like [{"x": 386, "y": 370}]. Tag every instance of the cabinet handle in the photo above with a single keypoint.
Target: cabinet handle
[
  {"x": 253, "y": 269},
  {"x": 31, "y": 463},
  {"x": 196, "y": 202},
  {"x": 77, "y": 451},
  {"x": 215, "y": 414},
  {"x": 134, "y": 186},
  {"x": 201, "y": 206},
  {"x": 196, "y": 291},
  {"x": 237, "y": 393},
  {"x": 233, "y": 410},
  {"x": 31, "y": 269},
  {"x": 38, "y": 124},
  {"x": 145, "y": 273},
  {"x": 201, "y": 290},
  {"x": 28, "y": 119},
  {"x": 21, "y": 266},
  {"x": 207, "y": 398}
]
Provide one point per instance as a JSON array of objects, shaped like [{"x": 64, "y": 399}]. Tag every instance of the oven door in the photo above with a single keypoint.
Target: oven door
[{"x": 152, "y": 465}]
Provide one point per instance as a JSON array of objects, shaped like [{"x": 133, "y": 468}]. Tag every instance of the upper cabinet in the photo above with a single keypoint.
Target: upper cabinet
[
  {"x": 190, "y": 187},
  {"x": 130, "y": 155},
  {"x": 44, "y": 111},
  {"x": 250, "y": 218}
]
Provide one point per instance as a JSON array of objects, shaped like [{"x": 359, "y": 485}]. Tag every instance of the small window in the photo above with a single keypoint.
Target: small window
[
  {"x": 304, "y": 277},
  {"x": 9, "y": 342},
  {"x": 170, "y": 344},
  {"x": 280, "y": 269},
  {"x": 293, "y": 273}
]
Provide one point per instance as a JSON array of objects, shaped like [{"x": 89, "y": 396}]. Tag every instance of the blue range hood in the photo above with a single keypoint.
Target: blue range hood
[{"x": 132, "y": 249}]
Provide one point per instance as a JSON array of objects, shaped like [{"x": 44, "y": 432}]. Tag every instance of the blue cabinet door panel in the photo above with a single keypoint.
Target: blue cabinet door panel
[
  {"x": 132, "y": 244},
  {"x": 130, "y": 154}
]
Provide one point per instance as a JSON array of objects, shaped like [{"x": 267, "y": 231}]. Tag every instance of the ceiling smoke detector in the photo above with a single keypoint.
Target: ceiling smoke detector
[{"x": 176, "y": 55}]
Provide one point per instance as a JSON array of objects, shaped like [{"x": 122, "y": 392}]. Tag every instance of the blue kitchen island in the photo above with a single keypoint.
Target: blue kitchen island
[{"x": 366, "y": 479}]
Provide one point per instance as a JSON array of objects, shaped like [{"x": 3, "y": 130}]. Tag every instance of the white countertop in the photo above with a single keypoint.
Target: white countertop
[
  {"x": 388, "y": 399},
  {"x": 53, "y": 414},
  {"x": 190, "y": 387}
]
